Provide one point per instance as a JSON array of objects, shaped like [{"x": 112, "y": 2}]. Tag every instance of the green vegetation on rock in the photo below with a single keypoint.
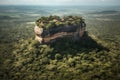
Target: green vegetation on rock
[{"x": 56, "y": 21}]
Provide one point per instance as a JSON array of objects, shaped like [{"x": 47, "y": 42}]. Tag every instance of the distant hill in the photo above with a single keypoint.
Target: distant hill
[
  {"x": 6, "y": 17},
  {"x": 106, "y": 12}
]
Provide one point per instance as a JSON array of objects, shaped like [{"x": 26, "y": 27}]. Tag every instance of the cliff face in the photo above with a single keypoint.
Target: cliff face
[
  {"x": 38, "y": 31},
  {"x": 46, "y": 35}
]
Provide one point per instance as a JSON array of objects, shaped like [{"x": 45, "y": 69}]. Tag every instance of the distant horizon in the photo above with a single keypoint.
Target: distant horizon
[
  {"x": 55, "y": 5},
  {"x": 62, "y": 2}
]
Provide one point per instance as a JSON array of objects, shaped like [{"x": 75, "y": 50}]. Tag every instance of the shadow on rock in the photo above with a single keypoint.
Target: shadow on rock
[{"x": 66, "y": 45}]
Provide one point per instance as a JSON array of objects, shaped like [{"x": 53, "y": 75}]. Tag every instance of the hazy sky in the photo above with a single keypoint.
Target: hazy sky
[{"x": 60, "y": 2}]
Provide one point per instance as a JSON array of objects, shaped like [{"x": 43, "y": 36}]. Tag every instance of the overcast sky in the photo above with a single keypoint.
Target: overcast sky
[{"x": 60, "y": 2}]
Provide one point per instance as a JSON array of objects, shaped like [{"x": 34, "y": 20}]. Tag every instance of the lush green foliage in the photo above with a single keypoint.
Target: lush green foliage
[
  {"x": 64, "y": 60},
  {"x": 56, "y": 21}
]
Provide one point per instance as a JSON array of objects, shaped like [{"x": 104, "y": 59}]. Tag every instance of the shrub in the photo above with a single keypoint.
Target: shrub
[{"x": 58, "y": 56}]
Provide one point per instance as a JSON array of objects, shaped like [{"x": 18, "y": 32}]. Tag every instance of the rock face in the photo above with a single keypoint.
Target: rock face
[
  {"x": 38, "y": 31},
  {"x": 47, "y": 35}
]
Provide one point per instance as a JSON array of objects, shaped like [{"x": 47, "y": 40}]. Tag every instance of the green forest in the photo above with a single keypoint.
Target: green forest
[{"x": 90, "y": 58}]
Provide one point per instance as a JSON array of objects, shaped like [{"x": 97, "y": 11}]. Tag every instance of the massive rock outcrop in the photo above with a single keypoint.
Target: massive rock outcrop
[{"x": 57, "y": 28}]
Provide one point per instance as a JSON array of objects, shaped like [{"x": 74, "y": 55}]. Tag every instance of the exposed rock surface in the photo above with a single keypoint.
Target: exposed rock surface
[
  {"x": 46, "y": 35},
  {"x": 38, "y": 31}
]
